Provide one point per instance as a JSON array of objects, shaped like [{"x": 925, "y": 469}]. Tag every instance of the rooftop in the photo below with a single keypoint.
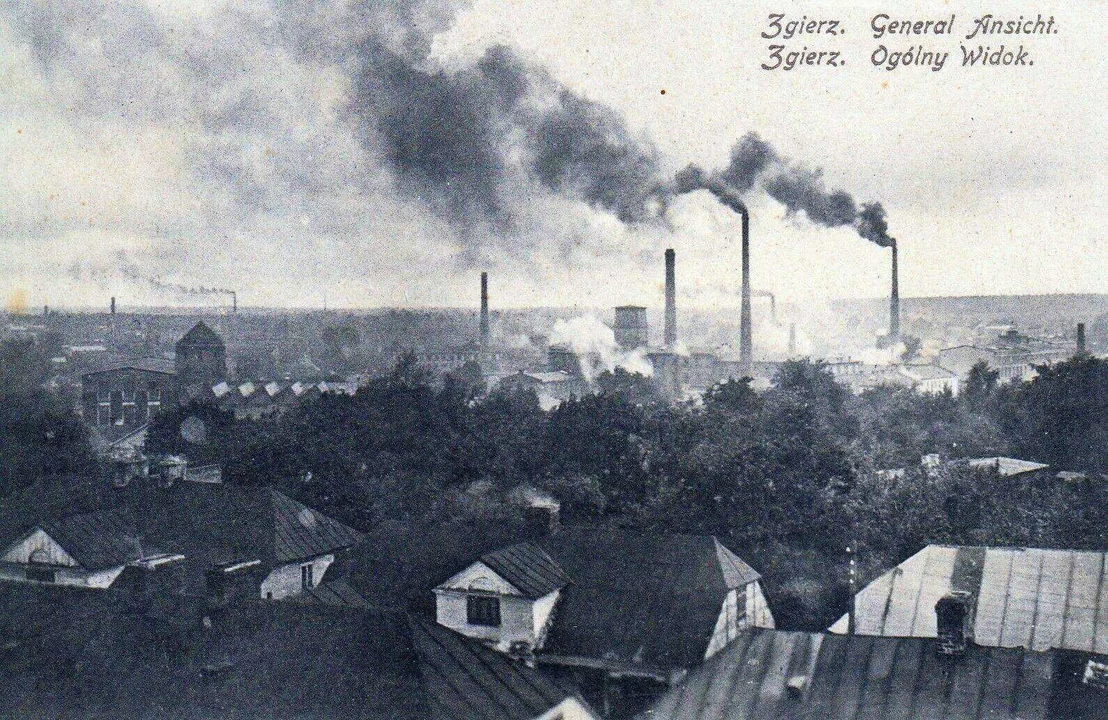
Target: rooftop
[
  {"x": 773, "y": 674},
  {"x": 1026, "y": 597}
]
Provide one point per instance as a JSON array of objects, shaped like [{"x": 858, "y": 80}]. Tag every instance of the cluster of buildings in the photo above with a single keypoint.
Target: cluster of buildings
[
  {"x": 119, "y": 400},
  {"x": 187, "y": 599}
]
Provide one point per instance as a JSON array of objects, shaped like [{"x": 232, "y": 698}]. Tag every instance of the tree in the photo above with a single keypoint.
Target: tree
[{"x": 980, "y": 384}]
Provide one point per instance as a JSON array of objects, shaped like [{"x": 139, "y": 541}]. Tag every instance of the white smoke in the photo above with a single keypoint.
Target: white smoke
[
  {"x": 883, "y": 356},
  {"x": 594, "y": 344}
]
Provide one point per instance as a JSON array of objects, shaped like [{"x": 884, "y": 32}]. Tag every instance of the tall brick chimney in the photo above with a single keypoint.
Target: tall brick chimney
[
  {"x": 894, "y": 303},
  {"x": 484, "y": 310},
  {"x": 671, "y": 299},
  {"x": 113, "y": 305},
  {"x": 1080, "y": 338},
  {"x": 746, "y": 342}
]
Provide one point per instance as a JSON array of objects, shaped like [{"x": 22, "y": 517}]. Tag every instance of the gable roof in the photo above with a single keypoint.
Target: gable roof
[
  {"x": 210, "y": 524},
  {"x": 848, "y": 677},
  {"x": 99, "y": 540},
  {"x": 464, "y": 679},
  {"x": 201, "y": 336},
  {"x": 527, "y": 568},
  {"x": 639, "y": 599},
  {"x": 67, "y": 652},
  {"x": 1026, "y": 597}
]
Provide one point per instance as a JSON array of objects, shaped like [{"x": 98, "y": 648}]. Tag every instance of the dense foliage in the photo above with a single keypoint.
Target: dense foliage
[
  {"x": 40, "y": 436},
  {"x": 788, "y": 478}
]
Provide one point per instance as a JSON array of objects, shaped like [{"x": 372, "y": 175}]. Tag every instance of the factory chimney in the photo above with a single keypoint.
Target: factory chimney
[
  {"x": 484, "y": 310},
  {"x": 234, "y": 302},
  {"x": 1080, "y": 338},
  {"x": 746, "y": 345},
  {"x": 671, "y": 299},
  {"x": 113, "y": 305},
  {"x": 894, "y": 304}
]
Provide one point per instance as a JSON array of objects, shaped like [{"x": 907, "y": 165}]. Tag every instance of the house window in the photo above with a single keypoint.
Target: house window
[
  {"x": 483, "y": 610},
  {"x": 306, "y": 581},
  {"x": 1096, "y": 674}
]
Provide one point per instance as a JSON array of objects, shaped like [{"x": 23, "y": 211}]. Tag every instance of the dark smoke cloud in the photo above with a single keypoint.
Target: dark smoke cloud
[
  {"x": 754, "y": 162},
  {"x": 465, "y": 140}
]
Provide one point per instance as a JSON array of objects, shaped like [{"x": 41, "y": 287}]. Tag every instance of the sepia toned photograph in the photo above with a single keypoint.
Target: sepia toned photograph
[{"x": 553, "y": 360}]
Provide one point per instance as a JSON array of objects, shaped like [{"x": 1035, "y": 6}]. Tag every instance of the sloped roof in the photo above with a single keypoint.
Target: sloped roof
[
  {"x": 640, "y": 599},
  {"x": 99, "y": 540},
  {"x": 527, "y": 568},
  {"x": 1006, "y": 466},
  {"x": 210, "y": 524},
  {"x": 1026, "y": 597},
  {"x": 927, "y": 372},
  {"x": 849, "y": 677},
  {"x": 201, "y": 336},
  {"x": 332, "y": 592},
  {"x": 148, "y": 364},
  {"x": 464, "y": 679},
  {"x": 67, "y": 653}
]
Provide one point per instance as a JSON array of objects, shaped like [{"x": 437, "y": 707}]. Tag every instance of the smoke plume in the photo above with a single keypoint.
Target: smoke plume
[{"x": 594, "y": 344}]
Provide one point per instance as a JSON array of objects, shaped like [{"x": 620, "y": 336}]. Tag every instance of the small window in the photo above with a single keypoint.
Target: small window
[
  {"x": 483, "y": 610},
  {"x": 306, "y": 581}
]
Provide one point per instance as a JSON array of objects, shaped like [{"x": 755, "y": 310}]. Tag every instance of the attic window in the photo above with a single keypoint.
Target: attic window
[
  {"x": 483, "y": 610},
  {"x": 1096, "y": 674}
]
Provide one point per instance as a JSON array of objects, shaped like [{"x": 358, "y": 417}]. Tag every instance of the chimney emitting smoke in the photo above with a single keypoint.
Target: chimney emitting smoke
[
  {"x": 894, "y": 303},
  {"x": 484, "y": 310},
  {"x": 671, "y": 299},
  {"x": 746, "y": 343}
]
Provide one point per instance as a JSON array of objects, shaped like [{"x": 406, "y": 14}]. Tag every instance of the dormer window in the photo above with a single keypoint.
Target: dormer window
[
  {"x": 483, "y": 609},
  {"x": 307, "y": 582}
]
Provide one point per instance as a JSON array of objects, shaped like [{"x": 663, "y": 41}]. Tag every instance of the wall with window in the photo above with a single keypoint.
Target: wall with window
[
  {"x": 125, "y": 397},
  {"x": 466, "y": 603},
  {"x": 294, "y": 578}
]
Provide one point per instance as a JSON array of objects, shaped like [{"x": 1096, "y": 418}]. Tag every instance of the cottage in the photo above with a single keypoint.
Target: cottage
[
  {"x": 1018, "y": 597},
  {"x": 281, "y": 547},
  {"x": 607, "y": 608}
]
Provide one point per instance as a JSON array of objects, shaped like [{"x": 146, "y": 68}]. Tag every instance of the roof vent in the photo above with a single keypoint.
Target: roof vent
[{"x": 795, "y": 686}]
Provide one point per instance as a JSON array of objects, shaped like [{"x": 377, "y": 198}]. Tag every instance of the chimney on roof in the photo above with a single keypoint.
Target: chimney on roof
[
  {"x": 1080, "y": 338},
  {"x": 113, "y": 305},
  {"x": 484, "y": 310},
  {"x": 671, "y": 299},
  {"x": 954, "y": 615}
]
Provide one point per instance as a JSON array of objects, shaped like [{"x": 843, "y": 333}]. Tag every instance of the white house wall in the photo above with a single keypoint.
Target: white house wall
[
  {"x": 64, "y": 575},
  {"x": 757, "y": 609},
  {"x": 38, "y": 542},
  {"x": 517, "y": 619},
  {"x": 569, "y": 709},
  {"x": 285, "y": 580},
  {"x": 543, "y": 610}
]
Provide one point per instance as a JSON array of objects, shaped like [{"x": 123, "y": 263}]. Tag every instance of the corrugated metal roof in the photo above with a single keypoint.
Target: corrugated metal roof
[
  {"x": 528, "y": 568},
  {"x": 1026, "y": 597},
  {"x": 851, "y": 677},
  {"x": 332, "y": 592},
  {"x": 463, "y": 679}
]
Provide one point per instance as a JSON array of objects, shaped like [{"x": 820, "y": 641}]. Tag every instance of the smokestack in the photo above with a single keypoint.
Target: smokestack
[
  {"x": 234, "y": 302},
  {"x": 484, "y": 310},
  {"x": 1080, "y": 338},
  {"x": 113, "y": 305},
  {"x": 894, "y": 304},
  {"x": 671, "y": 299},
  {"x": 746, "y": 345},
  {"x": 792, "y": 340}
]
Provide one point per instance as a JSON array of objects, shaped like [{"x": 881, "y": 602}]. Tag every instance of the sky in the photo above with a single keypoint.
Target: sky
[{"x": 374, "y": 153}]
